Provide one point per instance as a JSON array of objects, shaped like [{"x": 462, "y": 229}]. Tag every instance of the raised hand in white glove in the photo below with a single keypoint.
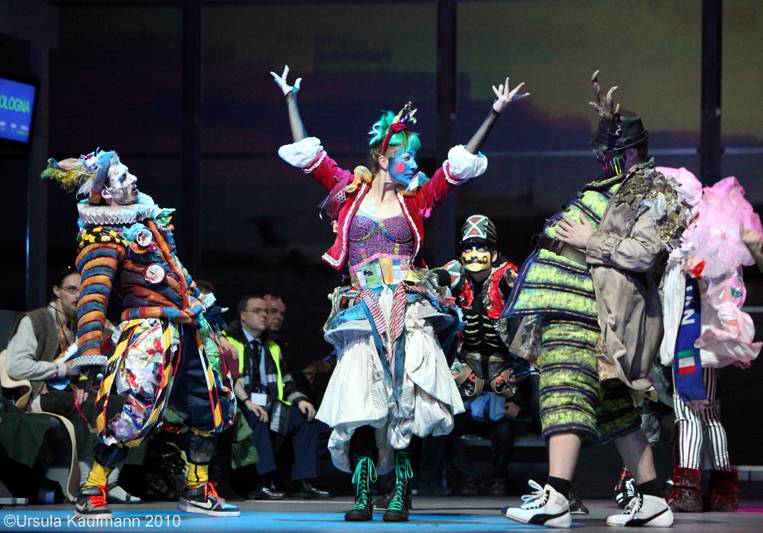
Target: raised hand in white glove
[
  {"x": 283, "y": 84},
  {"x": 504, "y": 96}
]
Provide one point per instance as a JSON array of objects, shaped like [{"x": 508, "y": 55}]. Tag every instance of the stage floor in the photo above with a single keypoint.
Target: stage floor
[{"x": 457, "y": 515}]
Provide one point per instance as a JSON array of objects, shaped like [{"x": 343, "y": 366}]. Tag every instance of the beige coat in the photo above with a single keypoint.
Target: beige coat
[{"x": 642, "y": 220}]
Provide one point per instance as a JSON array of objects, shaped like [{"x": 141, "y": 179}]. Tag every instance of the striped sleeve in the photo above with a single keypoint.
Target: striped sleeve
[{"x": 100, "y": 254}]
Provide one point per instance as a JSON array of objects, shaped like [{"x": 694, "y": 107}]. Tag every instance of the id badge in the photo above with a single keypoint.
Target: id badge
[{"x": 259, "y": 398}]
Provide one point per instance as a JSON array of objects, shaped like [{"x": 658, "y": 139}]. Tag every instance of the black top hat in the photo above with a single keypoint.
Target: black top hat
[{"x": 628, "y": 131}]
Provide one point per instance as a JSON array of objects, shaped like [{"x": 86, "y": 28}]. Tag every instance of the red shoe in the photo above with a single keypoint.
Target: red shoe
[
  {"x": 724, "y": 490},
  {"x": 687, "y": 490}
]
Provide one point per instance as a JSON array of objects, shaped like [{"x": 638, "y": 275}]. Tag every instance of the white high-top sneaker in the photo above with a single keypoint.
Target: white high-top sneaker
[
  {"x": 644, "y": 511},
  {"x": 544, "y": 507}
]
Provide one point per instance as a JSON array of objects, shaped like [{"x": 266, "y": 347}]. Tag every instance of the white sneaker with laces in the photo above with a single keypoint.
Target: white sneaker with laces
[
  {"x": 544, "y": 507},
  {"x": 644, "y": 511}
]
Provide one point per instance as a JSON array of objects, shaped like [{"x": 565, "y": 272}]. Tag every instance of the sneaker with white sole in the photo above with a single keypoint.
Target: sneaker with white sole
[
  {"x": 643, "y": 511},
  {"x": 545, "y": 506},
  {"x": 205, "y": 500}
]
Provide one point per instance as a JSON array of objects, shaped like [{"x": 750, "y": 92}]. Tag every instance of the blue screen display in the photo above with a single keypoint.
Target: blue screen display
[{"x": 16, "y": 110}]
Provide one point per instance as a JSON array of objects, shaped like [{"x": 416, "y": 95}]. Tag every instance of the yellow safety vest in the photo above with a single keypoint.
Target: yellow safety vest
[{"x": 275, "y": 353}]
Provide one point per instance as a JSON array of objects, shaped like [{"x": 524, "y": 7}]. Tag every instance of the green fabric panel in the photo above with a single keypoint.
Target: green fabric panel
[
  {"x": 593, "y": 202},
  {"x": 616, "y": 415},
  {"x": 21, "y": 434},
  {"x": 564, "y": 286},
  {"x": 548, "y": 288},
  {"x": 243, "y": 451},
  {"x": 209, "y": 345},
  {"x": 569, "y": 384},
  {"x": 173, "y": 417},
  {"x": 571, "y": 397}
]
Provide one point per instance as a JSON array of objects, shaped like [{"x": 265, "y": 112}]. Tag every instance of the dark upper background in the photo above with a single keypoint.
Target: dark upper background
[{"x": 116, "y": 83}]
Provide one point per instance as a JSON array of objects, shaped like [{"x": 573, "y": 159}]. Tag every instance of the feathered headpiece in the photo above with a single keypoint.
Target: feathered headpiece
[
  {"x": 389, "y": 125},
  {"x": 87, "y": 173}
]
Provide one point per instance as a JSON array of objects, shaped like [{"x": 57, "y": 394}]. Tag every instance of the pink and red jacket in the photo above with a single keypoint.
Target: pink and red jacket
[{"x": 416, "y": 207}]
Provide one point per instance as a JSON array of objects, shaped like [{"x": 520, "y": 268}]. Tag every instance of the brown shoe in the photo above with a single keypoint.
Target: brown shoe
[
  {"x": 724, "y": 490},
  {"x": 687, "y": 490}
]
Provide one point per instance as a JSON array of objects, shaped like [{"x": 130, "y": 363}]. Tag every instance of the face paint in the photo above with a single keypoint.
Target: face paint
[
  {"x": 617, "y": 164},
  {"x": 122, "y": 186},
  {"x": 611, "y": 163},
  {"x": 476, "y": 258},
  {"x": 403, "y": 167}
]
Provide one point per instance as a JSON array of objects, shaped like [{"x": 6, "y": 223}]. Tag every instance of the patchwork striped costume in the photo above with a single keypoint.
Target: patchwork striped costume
[
  {"x": 560, "y": 291},
  {"x": 164, "y": 354}
]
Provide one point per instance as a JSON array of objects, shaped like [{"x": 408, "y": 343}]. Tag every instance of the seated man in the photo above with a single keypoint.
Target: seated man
[
  {"x": 271, "y": 402},
  {"x": 36, "y": 353}
]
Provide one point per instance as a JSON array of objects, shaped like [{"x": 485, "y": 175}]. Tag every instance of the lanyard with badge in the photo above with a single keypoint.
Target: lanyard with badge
[{"x": 258, "y": 396}]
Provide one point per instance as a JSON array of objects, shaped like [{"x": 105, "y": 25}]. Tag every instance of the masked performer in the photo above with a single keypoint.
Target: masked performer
[
  {"x": 481, "y": 284},
  {"x": 706, "y": 329},
  {"x": 588, "y": 294},
  {"x": 392, "y": 380},
  {"x": 165, "y": 356},
  {"x": 488, "y": 376}
]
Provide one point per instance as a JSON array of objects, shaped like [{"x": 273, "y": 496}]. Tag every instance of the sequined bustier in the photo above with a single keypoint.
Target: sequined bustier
[{"x": 369, "y": 236}]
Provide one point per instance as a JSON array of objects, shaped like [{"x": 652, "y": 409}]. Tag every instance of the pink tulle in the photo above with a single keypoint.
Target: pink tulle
[
  {"x": 715, "y": 235},
  {"x": 713, "y": 250}
]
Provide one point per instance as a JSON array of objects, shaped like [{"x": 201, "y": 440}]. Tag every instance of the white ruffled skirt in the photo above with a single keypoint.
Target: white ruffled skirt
[{"x": 358, "y": 394}]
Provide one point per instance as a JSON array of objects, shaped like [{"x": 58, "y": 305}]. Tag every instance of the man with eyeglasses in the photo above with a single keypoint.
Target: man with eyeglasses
[
  {"x": 39, "y": 340},
  {"x": 271, "y": 402},
  {"x": 36, "y": 352}
]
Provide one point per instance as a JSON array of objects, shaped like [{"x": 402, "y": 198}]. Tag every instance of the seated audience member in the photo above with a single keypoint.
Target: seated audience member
[
  {"x": 276, "y": 313},
  {"x": 36, "y": 351},
  {"x": 271, "y": 402}
]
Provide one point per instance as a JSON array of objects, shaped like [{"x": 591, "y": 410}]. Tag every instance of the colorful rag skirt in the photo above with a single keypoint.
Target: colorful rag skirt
[
  {"x": 391, "y": 371},
  {"x": 572, "y": 399},
  {"x": 159, "y": 364}
]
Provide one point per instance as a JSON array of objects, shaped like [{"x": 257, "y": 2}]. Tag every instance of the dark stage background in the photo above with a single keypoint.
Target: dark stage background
[{"x": 116, "y": 82}]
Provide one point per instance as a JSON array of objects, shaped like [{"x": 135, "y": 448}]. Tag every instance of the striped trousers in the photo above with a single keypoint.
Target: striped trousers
[
  {"x": 703, "y": 430},
  {"x": 572, "y": 400}
]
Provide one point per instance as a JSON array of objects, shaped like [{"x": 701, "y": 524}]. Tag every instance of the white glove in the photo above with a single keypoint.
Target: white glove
[{"x": 283, "y": 84}]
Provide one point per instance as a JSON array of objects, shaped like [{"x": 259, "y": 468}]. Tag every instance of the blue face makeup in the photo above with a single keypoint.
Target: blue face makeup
[{"x": 403, "y": 167}]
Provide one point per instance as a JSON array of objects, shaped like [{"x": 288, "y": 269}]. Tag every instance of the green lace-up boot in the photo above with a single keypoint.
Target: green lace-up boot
[
  {"x": 400, "y": 503},
  {"x": 365, "y": 474}
]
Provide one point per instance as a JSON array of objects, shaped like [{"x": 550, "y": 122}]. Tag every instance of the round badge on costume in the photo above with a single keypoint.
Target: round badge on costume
[
  {"x": 144, "y": 238},
  {"x": 154, "y": 274}
]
